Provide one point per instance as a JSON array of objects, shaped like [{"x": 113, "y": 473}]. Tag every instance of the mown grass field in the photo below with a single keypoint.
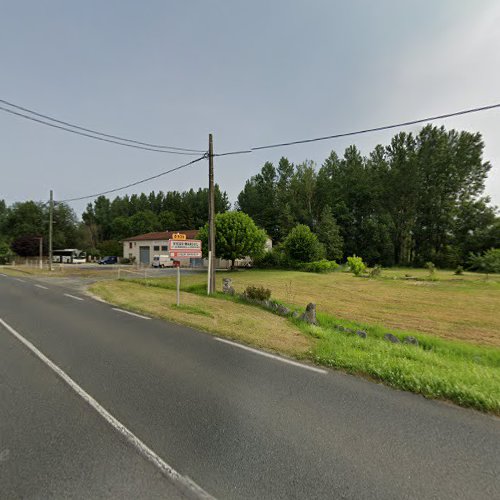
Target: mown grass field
[
  {"x": 465, "y": 370},
  {"x": 465, "y": 308}
]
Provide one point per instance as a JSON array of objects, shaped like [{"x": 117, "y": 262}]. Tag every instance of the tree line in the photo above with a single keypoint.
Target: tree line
[
  {"x": 104, "y": 222},
  {"x": 418, "y": 199}
]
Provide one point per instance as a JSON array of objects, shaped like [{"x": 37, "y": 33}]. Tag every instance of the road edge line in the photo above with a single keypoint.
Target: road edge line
[
  {"x": 139, "y": 445},
  {"x": 272, "y": 356},
  {"x": 130, "y": 312},
  {"x": 72, "y": 296}
]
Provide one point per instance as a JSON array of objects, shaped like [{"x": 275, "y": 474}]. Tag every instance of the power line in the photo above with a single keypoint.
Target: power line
[
  {"x": 124, "y": 139},
  {"x": 243, "y": 151},
  {"x": 365, "y": 131},
  {"x": 135, "y": 183},
  {"x": 53, "y": 125}
]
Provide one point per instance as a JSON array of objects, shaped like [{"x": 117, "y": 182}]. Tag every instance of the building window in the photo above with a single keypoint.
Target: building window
[
  {"x": 130, "y": 245},
  {"x": 156, "y": 248},
  {"x": 164, "y": 248}
]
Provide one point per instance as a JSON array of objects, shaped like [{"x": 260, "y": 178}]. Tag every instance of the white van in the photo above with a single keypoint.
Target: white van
[{"x": 162, "y": 261}]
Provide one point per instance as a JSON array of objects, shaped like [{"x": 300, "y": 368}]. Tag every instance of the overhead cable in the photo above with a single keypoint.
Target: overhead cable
[
  {"x": 104, "y": 139},
  {"x": 135, "y": 183},
  {"x": 365, "y": 131},
  {"x": 384, "y": 127}
]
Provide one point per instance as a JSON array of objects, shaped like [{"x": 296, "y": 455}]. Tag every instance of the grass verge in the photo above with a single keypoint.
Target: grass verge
[
  {"x": 466, "y": 374},
  {"x": 216, "y": 315}
]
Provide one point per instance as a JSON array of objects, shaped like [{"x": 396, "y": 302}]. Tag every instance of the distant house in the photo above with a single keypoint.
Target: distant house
[{"x": 143, "y": 247}]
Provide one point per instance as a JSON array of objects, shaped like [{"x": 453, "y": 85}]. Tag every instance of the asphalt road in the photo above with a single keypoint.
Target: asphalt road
[{"x": 238, "y": 424}]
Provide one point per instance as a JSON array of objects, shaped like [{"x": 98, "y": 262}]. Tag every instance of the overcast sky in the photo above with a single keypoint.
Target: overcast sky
[{"x": 253, "y": 73}]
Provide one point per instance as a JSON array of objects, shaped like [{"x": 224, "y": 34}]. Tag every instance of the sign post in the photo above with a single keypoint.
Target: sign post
[
  {"x": 179, "y": 247},
  {"x": 178, "y": 285}
]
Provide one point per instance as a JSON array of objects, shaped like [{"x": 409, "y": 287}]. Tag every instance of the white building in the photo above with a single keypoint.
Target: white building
[{"x": 143, "y": 247}]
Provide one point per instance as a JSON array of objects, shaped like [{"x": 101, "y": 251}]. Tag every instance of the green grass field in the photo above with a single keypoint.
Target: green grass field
[{"x": 465, "y": 308}]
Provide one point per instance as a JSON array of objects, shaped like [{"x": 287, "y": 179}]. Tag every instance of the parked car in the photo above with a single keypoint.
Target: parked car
[
  {"x": 109, "y": 259},
  {"x": 164, "y": 261}
]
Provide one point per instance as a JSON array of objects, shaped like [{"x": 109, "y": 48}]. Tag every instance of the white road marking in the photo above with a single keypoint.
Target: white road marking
[
  {"x": 272, "y": 356},
  {"x": 19, "y": 279},
  {"x": 73, "y": 297},
  {"x": 131, "y": 313},
  {"x": 41, "y": 286},
  {"x": 147, "y": 452}
]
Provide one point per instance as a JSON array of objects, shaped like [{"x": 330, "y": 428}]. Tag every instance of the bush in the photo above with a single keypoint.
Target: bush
[
  {"x": 430, "y": 267},
  {"x": 275, "y": 258},
  {"x": 356, "y": 265},
  {"x": 459, "y": 270},
  {"x": 302, "y": 245},
  {"x": 318, "y": 266},
  {"x": 6, "y": 253},
  {"x": 487, "y": 263},
  {"x": 257, "y": 293},
  {"x": 376, "y": 272}
]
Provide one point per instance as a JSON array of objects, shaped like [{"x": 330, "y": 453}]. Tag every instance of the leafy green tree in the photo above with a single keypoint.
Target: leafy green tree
[
  {"x": 236, "y": 237},
  {"x": 487, "y": 263},
  {"x": 258, "y": 200},
  {"x": 168, "y": 220},
  {"x": 25, "y": 218},
  {"x": 65, "y": 226},
  {"x": 303, "y": 190},
  {"x": 26, "y": 246},
  {"x": 302, "y": 245},
  {"x": 6, "y": 253},
  {"x": 329, "y": 234},
  {"x": 110, "y": 247},
  {"x": 144, "y": 222},
  {"x": 121, "y": 228},
  {"x": 3, "y": 216}
]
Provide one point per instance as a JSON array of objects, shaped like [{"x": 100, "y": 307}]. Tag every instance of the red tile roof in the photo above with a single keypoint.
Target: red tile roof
[{"x": 191, "y": 234}]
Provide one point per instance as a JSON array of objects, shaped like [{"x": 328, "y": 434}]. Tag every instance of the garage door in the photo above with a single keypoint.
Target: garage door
[{"x": 144, "y": 255}]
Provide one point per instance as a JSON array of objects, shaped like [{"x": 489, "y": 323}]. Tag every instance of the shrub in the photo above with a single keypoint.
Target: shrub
[
  {"x": 356, "y": 265},
  {"x": 459, "y": 270},
  {"x": 6, "y": 253},
  {"x": 302, "y": 245},
  {"x": 318, "y": 266},
  {"x": 275, "y": 258},
  {"x": 376, "y": 272},
  {"x": 430, "y": 267},
  {"x": 257, "y": 293},
  {"x": 487, "y": 263}
]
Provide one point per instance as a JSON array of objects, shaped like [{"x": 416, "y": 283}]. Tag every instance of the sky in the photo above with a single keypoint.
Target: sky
[{"x": 251, "y": 73}]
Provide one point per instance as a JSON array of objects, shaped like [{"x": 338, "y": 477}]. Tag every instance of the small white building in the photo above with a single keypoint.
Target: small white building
[{"x": 143, "y": 247}]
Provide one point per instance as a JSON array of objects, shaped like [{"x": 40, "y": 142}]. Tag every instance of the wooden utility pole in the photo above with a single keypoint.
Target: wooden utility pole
[
  {"x": 51, "y": 217},
  {"x": 211, "y": 217}
]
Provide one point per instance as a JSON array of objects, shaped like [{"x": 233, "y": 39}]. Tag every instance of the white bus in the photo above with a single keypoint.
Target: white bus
[{"x": 69, "y": 256}]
